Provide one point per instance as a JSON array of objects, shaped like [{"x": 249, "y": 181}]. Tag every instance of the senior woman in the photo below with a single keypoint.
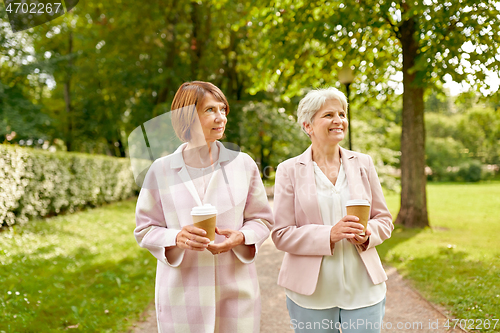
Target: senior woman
[
  {"x": 333, "y": 276},
  {"x": 200, "y": 286}
]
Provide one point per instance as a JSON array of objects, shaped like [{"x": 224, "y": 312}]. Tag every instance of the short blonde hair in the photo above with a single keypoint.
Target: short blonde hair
[
  {"x": 185, "y": 104},
  {"x": 314, "y": 101}
]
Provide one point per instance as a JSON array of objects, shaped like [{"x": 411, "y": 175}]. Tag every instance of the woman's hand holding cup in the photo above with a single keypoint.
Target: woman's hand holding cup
[
  {"x": 360, "y": 239},
  {"x": 347, "y": 227},
  {"x": 192, "y": 238}
]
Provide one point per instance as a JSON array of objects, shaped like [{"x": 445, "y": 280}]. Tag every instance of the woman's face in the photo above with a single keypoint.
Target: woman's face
[
  {"x": 329, "y": 124},
  {"x": 212, "y": 115}
]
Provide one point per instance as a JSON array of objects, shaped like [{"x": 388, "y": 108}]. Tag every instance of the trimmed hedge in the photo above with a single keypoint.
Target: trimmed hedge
[{"x": 36, "y": 183}]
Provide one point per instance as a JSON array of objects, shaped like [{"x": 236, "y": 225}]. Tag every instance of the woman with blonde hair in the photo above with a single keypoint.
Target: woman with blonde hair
[{"x": 203, "y": 286}]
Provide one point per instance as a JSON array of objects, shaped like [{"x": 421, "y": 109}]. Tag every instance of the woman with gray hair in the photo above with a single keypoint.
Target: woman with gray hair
[{"x": 331, "y": 271}]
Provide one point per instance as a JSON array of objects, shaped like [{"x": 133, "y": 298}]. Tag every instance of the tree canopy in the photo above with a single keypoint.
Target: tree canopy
[
  {"x": 307, "y": 43},
  {"x": 88, "y": 78}
]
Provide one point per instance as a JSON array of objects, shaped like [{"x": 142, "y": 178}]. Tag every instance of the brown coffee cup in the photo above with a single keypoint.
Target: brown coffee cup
[
  {"x": 205, "y": 217},
  {"x": 361, "y": 209}
]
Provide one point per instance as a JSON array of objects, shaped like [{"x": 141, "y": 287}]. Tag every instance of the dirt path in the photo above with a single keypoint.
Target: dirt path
[{"x": 406, "y": 310}]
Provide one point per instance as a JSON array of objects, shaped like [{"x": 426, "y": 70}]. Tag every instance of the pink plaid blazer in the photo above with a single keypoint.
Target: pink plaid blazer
[
  {"x": 299, "y": 229},
  {"x": 197, "y": 291}
]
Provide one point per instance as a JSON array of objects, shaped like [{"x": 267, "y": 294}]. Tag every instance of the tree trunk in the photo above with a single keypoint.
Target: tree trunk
[
  {"x": 196, "y": 40},
  {"x": 169, "y": 89},
  {"x": 413, "y": 211},
  {"x": 121, "y": 148},
  {"x": 234, "y": 85},
  {"x": 67, "y": 96}
]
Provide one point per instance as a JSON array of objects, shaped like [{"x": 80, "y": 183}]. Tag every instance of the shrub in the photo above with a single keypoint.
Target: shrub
[
  {"x": 442, "y": 155},
  {"x": 37, "y": 183},
  {"x": 470, "y": 171}
]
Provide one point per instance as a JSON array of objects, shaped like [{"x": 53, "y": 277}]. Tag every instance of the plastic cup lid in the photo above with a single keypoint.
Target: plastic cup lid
[
  {"x": 357, "y": 202},
  {"x": 206, "y": 209}
]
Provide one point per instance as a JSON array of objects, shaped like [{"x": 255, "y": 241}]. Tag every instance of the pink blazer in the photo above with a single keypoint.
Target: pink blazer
[
  {"x": 198, "y": 291},
  {"x": 299, "y": 230}
]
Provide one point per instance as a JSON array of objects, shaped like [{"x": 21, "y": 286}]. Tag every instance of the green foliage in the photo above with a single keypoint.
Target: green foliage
[
  {"x": 442, "y": 154},
  {"x": 456, "y": 263},
  {"x": 480, "y": 132},
  {"x": 270, "y": 135},
  {"x": 371, "y": 138},
  {"x": 36, "y": 183},
  {"x": 81, "y": 272},
  {"x": 116, "y": 67},
  {"x": 304, "y": 44},
  {"x": 20, "y": 116},
  {"x": 437, "y": 102},
  {"x": 470, "y": 171},
  {"x": 457, "y": 145},
  {"x": 443, "y": 126},
  {"x": 309, "y": 41}
]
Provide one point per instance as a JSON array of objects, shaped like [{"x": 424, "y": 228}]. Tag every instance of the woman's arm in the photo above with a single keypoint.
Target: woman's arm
[
  {"x": 151, "y": 232},
  {"x": 308, "y": 239},
  {"x": 257, "y": 220}
]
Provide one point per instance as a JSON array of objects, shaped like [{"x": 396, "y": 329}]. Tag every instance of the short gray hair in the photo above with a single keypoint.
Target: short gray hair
[{"x": 314, "y": 101}]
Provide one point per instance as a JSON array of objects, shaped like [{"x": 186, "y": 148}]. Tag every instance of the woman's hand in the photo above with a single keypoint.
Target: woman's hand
[
  {"x": 192, "y": 238},
  {"x": 348, "y": 227},
  {"x": 233, "y": 239},
  {"x": 360, "y": 240}
]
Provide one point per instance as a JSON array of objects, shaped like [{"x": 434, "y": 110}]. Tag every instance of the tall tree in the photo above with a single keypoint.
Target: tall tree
[
  {"x": 20, "y": 117},
  {"x": 67, "y": 94},
  {"x": 307, "y": 42},
  {"x": 117, "y": 67}
]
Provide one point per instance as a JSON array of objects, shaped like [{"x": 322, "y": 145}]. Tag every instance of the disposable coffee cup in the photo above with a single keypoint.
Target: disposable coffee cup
[
  {"x": 361, "y": 209},
  {"x": 205, "y": 217}
]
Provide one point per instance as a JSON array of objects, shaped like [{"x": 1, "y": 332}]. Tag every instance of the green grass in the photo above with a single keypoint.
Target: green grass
[
  {"x": 82, "y": 271},
  {"x": 86, "y": 269},
  {"x": 456, "y": 262}
]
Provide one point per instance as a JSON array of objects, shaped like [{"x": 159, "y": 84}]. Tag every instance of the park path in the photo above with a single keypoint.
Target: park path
[{"x": 406, "y": 310}]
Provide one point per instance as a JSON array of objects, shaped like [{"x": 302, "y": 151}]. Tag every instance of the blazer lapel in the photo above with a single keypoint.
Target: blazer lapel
[
  {"x": 219, "y": 178},
  {"x": 352, "y": 172},
  {"x": 178, "y": 163},
  {"x": 186, "y": 180},
  {"x": 306, "y": 187}
]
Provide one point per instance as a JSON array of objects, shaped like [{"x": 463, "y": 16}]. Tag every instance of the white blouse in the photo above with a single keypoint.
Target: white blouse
[
  {"x": 343, "y": 280},
  {"x": 201, "y": 178}
]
